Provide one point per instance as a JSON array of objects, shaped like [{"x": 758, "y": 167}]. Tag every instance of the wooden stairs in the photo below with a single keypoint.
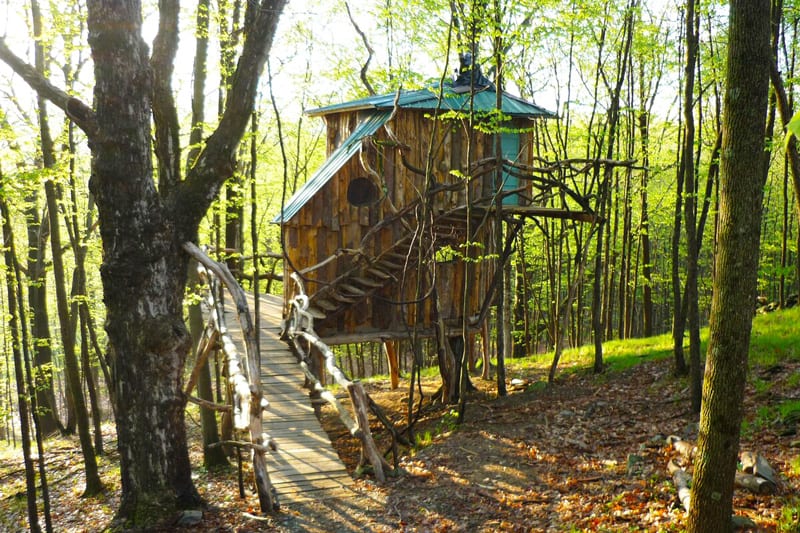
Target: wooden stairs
[{"x": 370, "y": 274}]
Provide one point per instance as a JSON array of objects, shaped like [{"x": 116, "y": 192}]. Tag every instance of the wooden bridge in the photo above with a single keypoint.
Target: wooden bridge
[{"x": 305, "y": 465}]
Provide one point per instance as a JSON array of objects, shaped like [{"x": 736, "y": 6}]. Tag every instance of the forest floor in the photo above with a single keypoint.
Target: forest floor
[{"x": 587, "y": 453}]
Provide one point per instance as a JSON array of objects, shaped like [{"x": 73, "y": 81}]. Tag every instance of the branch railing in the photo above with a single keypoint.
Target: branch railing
[
  {"x": 299, "y": 329},
  {"x": 248, "y": 401}
]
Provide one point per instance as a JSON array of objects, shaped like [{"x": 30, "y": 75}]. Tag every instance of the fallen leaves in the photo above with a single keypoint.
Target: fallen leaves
[{"x": 582, "y": 455}]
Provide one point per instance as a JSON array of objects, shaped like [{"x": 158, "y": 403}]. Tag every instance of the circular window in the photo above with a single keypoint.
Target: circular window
[{"x": 362, "y": 192}]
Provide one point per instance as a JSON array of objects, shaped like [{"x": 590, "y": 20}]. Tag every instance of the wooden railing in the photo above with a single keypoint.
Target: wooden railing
[
  {"x": 300, "y": 332},
  {"x": 243, "y": 372}
]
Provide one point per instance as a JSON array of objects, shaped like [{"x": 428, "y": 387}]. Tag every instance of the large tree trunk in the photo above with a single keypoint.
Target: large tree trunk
[
  {"x": 741, "y": 193},
  {"x": 144, "y": 267},
  {"x": 143, "y": 273}
]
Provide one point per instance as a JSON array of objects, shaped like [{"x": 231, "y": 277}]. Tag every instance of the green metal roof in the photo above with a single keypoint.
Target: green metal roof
[
  {"x": 337, "y": 159},
  {"x": 483, "y": 100}
]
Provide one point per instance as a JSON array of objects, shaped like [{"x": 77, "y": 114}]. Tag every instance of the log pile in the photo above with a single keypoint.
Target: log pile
[{"x": 756, "y": 475}]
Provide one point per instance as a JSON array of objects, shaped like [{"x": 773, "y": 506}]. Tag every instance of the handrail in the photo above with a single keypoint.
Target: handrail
[
  {"x": 300, "y": 325},
  {"x": 249, "y": 402}
]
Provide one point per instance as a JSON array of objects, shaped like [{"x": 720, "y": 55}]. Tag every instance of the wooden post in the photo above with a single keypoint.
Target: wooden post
[
  {"x": 359, "y": 398},
  {"x": 485, "y": 374},
  {"x": 390, "y": 348}
]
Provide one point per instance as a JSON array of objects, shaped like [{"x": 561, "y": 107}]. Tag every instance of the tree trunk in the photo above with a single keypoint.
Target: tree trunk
[
  {"x": 690, "y": 206},
  {"x": 71, "y": 365},
  {"x": 79, "y": 297},
  {"x": 143, "y": 228},
  {"x": 144, "y": 268},
  {"x": 37, "y": 246},
  {"x": 212, "y": 455},
  {"x": 741, "y": 193},
  {"x": 647, "y": 267},
  {"x": 40, "y": 320},
  {"x": 22, "y": 393}
]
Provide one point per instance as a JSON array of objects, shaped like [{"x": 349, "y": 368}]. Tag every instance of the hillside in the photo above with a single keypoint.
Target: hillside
[{"x": 585, "y": 454}]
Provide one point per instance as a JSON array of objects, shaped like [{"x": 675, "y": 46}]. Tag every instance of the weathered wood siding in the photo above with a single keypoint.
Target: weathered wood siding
[{"x": 329, "y": 222}]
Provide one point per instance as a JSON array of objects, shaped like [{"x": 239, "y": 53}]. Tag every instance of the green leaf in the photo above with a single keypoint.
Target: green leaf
[{"x": 792, "y": 128}]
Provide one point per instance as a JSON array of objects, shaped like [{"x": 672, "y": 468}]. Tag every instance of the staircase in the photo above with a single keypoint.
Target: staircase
[{"x": 367, "y": 275}]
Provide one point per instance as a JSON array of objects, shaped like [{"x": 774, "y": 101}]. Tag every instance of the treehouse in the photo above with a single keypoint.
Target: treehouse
[{"x": 378, "y": 234}]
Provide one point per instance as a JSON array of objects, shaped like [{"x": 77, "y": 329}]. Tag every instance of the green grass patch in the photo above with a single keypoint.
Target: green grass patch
[
  {"x": 794, "y": 466},
  {"x": 775, "y": 337},
  {"x": 789, "y": 521},
  {"x": 617, "y": 355}
]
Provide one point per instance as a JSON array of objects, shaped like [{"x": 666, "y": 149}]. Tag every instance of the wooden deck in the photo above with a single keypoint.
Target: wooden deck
[{"x": 305, "y": 466}]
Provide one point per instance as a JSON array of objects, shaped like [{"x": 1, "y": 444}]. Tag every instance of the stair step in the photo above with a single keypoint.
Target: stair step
[
  {"x": 351, "y": 290},
  {"x": 389, "y": 265},
  {"x": 378, "y": 273},
  {"x": 368, "y": 282},
  {"x": 326, "y": 305},
  {"x": 339, "y": 297},
  {"x": 398, "y": 256}
]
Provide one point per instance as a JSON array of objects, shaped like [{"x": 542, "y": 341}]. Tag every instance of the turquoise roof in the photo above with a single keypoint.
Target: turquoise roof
[
  {"x": 337, "y": 159},
  {"x": 428, "y": 98}
]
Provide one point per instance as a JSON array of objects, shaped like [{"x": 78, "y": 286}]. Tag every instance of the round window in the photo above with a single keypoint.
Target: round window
[{"x": 362, "y": 192}]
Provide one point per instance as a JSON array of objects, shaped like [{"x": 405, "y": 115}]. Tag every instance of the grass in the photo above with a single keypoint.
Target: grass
[
  {"x": 775, "y": 337},
  {"x": 790, "y": 516}
]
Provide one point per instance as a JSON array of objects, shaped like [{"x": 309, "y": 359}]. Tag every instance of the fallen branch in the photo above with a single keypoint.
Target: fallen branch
[
  {"x": 209, "y": 405},
  {"x": 755, "y": 484},
  {"x": 271, "y": 447},
  {"x": 755, "y": 464},
  {"x": 682, "y": 480}
]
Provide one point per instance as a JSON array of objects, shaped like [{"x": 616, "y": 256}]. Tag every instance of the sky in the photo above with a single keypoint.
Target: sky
[{"x": 328, "y": 41}]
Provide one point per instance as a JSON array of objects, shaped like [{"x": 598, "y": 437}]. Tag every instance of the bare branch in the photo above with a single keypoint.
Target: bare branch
[
  {"x": 370, "y": 51},
  {"x": 79, "y": 112},
  {"x": 217, "y": 161}
]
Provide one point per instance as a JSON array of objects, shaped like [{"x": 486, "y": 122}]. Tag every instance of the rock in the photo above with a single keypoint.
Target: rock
[
  {"x": 635, "y": 465},
  {"x": 189, "y": 517}
]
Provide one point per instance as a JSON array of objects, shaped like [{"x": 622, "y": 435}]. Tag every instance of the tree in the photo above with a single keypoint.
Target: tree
[
  {"x": 9, "y": 254},
  {"x": 143, "y": 227},
  {"x": 741, "y": 193}
]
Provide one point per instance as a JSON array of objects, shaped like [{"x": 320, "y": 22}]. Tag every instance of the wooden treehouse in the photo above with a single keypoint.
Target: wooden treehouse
[{"x": 409, "y": 179}]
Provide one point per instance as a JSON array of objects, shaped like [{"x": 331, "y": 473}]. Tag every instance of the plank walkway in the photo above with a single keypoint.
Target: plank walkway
[{"x": 306, "y": 466}]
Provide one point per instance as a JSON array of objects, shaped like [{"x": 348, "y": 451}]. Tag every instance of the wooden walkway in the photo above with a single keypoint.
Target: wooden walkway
[{"x": 305, "y": 467}]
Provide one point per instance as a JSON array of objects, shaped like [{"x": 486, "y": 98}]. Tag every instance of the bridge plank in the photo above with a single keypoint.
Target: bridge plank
[{"x": 305, "y": 466}]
